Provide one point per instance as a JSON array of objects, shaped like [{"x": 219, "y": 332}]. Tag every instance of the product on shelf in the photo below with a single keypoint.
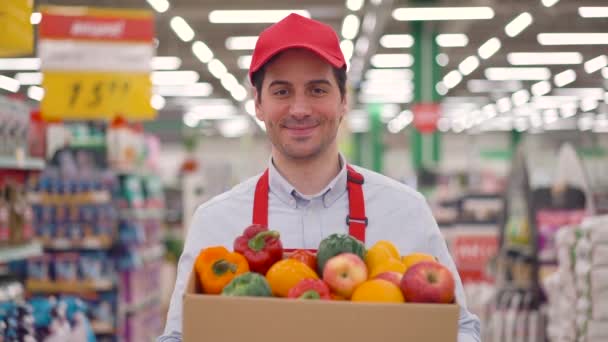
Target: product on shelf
[{"x": 14, "y": 127}]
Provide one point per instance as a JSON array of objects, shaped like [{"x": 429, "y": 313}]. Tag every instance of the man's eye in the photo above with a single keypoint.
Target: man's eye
[
  {"x": 318, "y": 91},
  {"x": 281, "y": 92}
]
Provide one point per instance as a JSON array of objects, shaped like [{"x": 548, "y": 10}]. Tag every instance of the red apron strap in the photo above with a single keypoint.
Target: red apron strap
[
  {"x": 356, "y": 219},
  {"x": 260, "y": 201}
]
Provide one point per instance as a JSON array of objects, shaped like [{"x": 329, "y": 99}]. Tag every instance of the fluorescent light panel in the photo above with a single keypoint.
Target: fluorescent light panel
[
  {"x": 19, "y": 63},
  {"x": 596, "y": 64},
  {"x": 35, "y": 93},
  {"x": 522, "y": 74},
  {"x": 158, "y": 102},
  {"x": 549, "y": 3},
  {"x": 202, "y": 52},
  {"x": 452, "y": 79},
  {"x": 350, "y": 26},
  {"x": 29, "y": 78},
  {"x": 489, "y": 48},
  {"x": 593, "y": 12},
  {"x": 217, "y": 68},
  {"x": 389, "y": 74},
  {"x": 564, "y": 78},
  {"x": 160, "y": 6},
  {"x": 518, "y": 25},
  {"x": 241, "y": 42},
  {"x": 395, "y": 41},
  {"x": 182, "y": 29},
  {"x": 9, "y": 84},
  {"x": 544, "y": 58},
  {"x": 469, "y": 65},
  {"x": 166, "y": 63},
  {"x": 487, "y": 86},
  {"x": 244, "y": 62},
  {"x": 251, "y": 16},
  {"x": 541, "y": 88},
  {"x": 442, "y": 13},
  {"x": 347, "y": 48},
  {"x": 189, "y": 90},
  {"x": 35, "y": 18},
  {"x": 392, "y": 60},
  {"x": 452, "y": 40},
  {"x": 572, "y": 38},
  {"x": 354, "y": 5}
]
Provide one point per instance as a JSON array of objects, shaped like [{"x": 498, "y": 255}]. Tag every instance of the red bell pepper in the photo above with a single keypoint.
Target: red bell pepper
[
  {"x": 310, "y": 289},
  {"x": 260, "y": 246}
]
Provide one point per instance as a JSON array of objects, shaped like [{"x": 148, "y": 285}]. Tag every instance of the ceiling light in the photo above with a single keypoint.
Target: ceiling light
[
  {"x": 380, "y": 87},
  {"x": 588, "y": 104},
  {"x": 441, "y": 88},
  {"x": 35, "y": 93},
  {"x": 250, "y": 107},
  {"x": 188, "y": 90},
  {"x": 489, "y": 48},
  {"x": 182, "y": 29},
  {"x": 252, "y": 16},
  {"x": 605, "y": 73},
  {"x": 541, "y": 88},
  {"x": 234, "y": 128},
  {"x": 160, "y": 6},
  {"x": 217, "y": 68},
  {"x": 520, "y": 97},
  {"x": 568, "y": 109},
  {"x": 157, "y": 102},
  {"x": 442, "y": 13},
  {"x": 585, "y": 123},
  {"x": 362, "y": 45},
  {"x": 400, "y": 121},
  {"x": 174, "y": 77},
  {"x": 596, "y": 64},
  {"x": 517, "y": 25},
  {"x": 442, "y": 59},
  {"x": 392, "y": 41},
  {"x": 389, "y": 74},
  {"x": 191, "y": 120},
  {"x": 354, "y": 5},
  {"x": 487, "y": 86},
  {"x": 572, "y": 38},
  {"x": 593, "y": 12},
  {"x": 369, "y": 22},
  {"x": 397, "y": 60},
  {"x": 241, "y": 43},
  {"x": 202, "y": 51},
  {"x": 549, "y": 3},
  {"x": 544, "y": 58},
  {"x": 228, "y": 81},
  {"x": 503, "y": 105},
  {"x": 564, "y": 78},
  {"x": 244, "y": 62},
  {"x": 9, "y": 84},
  {"x": 165, "y": 63},
  {"x": 523, "y": 74},
  {"x": 490, "y": 110},
  {"x": 19, "y": 63},
  {"x": 239, "y": 93},
  {"x": 550, "y": 116},
  {"x": 347, "y": 49},
  {"x": 29, "y": 78},
  {"x": 35, "y": 18},
  {"x": 452, "y": 40},
  {"x": 452, "y": 79},
  {"x": 350, "y": 26},
  {"x": 469, "y": 65}
]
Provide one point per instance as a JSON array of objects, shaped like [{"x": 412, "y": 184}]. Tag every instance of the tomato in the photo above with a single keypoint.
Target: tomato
[{"x": 306, "y": 257}]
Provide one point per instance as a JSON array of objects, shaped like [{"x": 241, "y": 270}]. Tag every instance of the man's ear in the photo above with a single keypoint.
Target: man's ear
[
  {"x": 258, "y": 109},
  {"x": 344, "y": 107}
]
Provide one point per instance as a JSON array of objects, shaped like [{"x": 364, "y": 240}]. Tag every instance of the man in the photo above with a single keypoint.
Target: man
[{"x": 309, "y": 191}]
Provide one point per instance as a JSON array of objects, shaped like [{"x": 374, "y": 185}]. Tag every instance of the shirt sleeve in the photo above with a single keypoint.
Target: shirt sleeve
[{"x": 469, "y": 325}]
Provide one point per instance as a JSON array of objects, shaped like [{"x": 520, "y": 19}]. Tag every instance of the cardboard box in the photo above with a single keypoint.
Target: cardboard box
[{"x": 228, "y": 319}]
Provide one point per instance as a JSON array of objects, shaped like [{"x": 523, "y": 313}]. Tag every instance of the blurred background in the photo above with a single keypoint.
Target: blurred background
[{"x": 119, "y": 118}]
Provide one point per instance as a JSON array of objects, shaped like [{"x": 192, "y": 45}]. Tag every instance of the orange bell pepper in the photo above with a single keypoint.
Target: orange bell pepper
[{"x": 216, "y": 267}]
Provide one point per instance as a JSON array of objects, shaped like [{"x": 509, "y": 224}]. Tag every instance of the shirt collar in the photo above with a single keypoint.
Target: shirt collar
[{"x": 287, "y": 193}]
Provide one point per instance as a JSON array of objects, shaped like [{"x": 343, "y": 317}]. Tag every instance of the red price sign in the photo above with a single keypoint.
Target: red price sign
[{"x": 426, "y": 116}]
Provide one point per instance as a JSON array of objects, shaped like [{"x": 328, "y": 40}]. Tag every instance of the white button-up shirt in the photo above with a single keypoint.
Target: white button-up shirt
[{"x": 395, "y": 211}]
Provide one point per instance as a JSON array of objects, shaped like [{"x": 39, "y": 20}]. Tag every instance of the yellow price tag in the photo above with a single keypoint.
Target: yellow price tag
[
  {"x": 17, "y": 36},
  {"x": 96, "y": 95}
]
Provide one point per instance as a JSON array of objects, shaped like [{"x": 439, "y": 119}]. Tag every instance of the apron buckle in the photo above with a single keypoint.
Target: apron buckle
[{"x": 356, "y": 220}]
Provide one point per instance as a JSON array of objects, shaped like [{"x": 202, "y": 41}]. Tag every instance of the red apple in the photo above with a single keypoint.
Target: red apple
[
  {"x": 343, "y": 273},
  {"x": 392, "y": 276},
  {"x": 428, "y": 282}
]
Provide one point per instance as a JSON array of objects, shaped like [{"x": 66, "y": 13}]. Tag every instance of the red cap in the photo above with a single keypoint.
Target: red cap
[{"x": 296, "y": 31}]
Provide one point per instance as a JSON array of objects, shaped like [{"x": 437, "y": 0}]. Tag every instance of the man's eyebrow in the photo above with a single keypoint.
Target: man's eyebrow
[
  {"x": 321, "y": 81},
  {"x": 278, "y": 82}
]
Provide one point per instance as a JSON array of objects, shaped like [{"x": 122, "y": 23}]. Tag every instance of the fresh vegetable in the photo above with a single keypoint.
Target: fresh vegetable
[
  {"x": 286, "y": 274},
  {"x": 216, "y": 267},
  {"x": 248, "y": 284},
  {"x": 336, "y": 244},
  {"x": 306, "y": 257},
  {"x": 310, "y": 289},
  {"x": 260, "y": 246},
  {"x": 387, "y": 265}
]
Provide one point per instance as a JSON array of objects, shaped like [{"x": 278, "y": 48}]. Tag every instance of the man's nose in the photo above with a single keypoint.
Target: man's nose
[{"x": 300, "y": 106}]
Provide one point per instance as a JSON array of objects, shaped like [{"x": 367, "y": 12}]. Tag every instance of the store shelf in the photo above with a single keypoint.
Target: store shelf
[
  {"x": 102, "y": 328},
  {"x": 143, "y": 214},
  {"x": 93, "y": 243},
  {"x": 19, "y": 252},
  {"x": 12, "y": 290},
  {"x": 12, "y": 163},
  {"x": 38, "y": 286},
  {"x": 136, "y": 307}
]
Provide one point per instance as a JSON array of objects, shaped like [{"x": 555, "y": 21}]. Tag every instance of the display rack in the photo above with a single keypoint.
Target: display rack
[
  {"x": 19, "y": 252},
  {"x": 25, "y": 164}
]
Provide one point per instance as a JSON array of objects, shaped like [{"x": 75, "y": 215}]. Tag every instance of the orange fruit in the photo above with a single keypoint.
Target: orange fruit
[
  {"x": 389, "y": 246},
  {"x": 387, "y": 265},
  {"x": 287, "y": 273},
  {"x": 380, "y": 252},
  {"x": 414, "y": 258},
  {"x": 378, "y": 290}
]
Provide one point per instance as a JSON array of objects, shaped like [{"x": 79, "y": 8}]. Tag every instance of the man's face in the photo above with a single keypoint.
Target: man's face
[{"x": 301, "y": 105}]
